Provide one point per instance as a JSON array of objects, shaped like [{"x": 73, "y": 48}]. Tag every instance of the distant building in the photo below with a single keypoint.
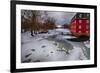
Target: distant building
[
  {"x": 66, "y": 26},
  {"x": 80, "y": 24}
]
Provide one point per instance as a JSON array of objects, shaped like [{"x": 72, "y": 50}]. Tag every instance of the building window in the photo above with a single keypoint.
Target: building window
[
  {"x": 80, "y": 21},
  {"x": 87, "y": 31},
  {"x": 80, "y": 15},
  {"x": 87, "y": 27},
  {"x": 80, "y": 27},
  {"x": 75, "y": 22},
  {"x": 79, "y": 31},
  {"x": 73, "y": 28},
  {"x": 87, "y": 21}
]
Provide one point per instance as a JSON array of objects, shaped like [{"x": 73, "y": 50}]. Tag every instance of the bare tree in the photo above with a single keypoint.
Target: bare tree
[
  {"x": 30, "y": 20},
  {"x": 35, "y": 22},
  {"x": 50, "y": 23},
  {"x": 25, "y": 20}
]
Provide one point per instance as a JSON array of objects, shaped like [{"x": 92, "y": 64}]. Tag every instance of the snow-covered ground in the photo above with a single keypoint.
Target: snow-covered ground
[{"x": 51, "y": 46}]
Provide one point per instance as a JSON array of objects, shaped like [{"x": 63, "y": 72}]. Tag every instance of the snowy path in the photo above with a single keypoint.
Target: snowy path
[{"x": 41, "y": 48}]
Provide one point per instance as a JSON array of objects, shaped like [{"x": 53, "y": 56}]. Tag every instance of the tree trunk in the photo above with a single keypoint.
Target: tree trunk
[{"x": 32, "y": 33}]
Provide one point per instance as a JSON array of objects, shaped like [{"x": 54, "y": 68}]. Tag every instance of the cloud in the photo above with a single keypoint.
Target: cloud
[{"x": 61, "y": 17}]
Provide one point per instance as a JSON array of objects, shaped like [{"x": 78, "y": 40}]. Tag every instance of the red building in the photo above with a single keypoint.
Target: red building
[{"x": 80, "y": 24}]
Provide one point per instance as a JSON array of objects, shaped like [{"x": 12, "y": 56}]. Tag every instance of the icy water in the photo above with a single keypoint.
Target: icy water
[
  {"x": 68, "y": 45},
  {"x": 51, "y": 47},
  {"x": 63, "y": 45},
  {"x": 85, "y": 50}
]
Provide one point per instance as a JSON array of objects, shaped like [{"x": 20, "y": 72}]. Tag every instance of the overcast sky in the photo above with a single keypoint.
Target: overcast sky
[{"x": 61, "y": 17}]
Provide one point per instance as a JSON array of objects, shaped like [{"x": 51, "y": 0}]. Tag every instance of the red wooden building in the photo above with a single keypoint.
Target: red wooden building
[{"x": 80, "y": 24}]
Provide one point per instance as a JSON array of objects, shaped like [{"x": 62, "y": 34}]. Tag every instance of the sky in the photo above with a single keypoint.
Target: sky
[{"x": 61, "y": 17}]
